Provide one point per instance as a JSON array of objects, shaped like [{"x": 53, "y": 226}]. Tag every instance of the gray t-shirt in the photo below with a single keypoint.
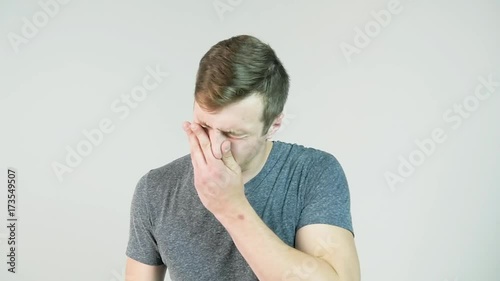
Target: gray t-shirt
[{"x": 169, "y": 225}]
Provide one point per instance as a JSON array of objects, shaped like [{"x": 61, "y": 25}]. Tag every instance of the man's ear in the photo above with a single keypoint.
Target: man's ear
[{"x": 275, "y": 126}]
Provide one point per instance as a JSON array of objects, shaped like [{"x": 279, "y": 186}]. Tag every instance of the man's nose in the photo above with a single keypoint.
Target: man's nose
[{"x": 216, "y": 140}]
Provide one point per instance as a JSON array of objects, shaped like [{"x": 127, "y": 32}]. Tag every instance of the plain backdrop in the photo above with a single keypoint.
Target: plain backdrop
[{"x": 375, "y": 104}]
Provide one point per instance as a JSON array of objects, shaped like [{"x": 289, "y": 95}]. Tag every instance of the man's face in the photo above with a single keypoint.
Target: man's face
[{"x": 240, "y": 124}]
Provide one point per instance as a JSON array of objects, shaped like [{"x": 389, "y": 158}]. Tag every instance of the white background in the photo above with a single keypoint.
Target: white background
[{"x": 367, "y": 109}]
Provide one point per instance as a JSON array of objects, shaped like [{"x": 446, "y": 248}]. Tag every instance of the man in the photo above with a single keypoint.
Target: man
[{"x": 241, "y": 206}]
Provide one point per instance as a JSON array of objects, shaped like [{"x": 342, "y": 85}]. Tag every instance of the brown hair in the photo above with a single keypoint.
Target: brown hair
[{"x": 238, "y": 67}]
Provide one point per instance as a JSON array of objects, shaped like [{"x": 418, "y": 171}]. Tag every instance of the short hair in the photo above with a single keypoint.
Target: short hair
[{"x": 238, "y": 67}]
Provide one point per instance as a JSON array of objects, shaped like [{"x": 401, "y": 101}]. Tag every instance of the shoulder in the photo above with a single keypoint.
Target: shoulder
[
  {"x": 320, "y": 168},
  {"x": 175, "y": 169},
  {"x": 157, "y": 179},
  {"x": 309, "y": 155}
]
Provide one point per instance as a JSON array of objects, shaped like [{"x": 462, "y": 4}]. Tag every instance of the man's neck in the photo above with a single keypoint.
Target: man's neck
[{"x": 250, "y": 174}]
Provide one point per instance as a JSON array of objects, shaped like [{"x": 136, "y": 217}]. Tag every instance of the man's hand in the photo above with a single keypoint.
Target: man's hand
[{"x": 218, "y": 182}]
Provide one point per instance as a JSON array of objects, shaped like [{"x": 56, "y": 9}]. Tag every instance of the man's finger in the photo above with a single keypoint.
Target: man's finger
[
  {"x": 197, "y": 156},
  {"x": 204, "y": 142},
  {"x": 227, "y": 157}
]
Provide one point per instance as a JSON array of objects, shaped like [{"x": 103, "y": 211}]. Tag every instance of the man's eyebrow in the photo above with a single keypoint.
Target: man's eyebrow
[{"x": 203, "y": 124}]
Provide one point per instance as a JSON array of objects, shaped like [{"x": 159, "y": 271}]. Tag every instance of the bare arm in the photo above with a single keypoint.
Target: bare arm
[
  {"x": 325, "y": 252},
  {"x": 137, "y": 271}
]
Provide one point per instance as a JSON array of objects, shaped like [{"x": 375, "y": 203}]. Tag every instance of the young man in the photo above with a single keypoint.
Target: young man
[{"x": 241, "y": 206}]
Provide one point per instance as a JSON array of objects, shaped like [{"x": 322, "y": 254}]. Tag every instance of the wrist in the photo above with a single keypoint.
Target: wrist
[{"x": 237, "y": 212}]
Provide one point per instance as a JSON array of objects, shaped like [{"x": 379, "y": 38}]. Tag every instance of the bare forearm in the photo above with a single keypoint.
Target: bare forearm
[{"x": 268, "y": 256}]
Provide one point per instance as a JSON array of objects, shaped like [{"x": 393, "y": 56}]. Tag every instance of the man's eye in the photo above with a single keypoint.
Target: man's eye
[{"x": 233, "y": 135}]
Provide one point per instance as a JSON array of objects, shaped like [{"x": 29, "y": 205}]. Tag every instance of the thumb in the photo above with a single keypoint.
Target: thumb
[{"x": 227, "y": 156}]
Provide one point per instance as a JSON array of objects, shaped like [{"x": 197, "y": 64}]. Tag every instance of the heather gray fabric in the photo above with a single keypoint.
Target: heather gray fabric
[{"x": 169, "y": 225}]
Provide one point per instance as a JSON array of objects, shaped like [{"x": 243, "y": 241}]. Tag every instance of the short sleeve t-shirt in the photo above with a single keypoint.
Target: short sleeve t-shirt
[{"x": 169, "y": 225}]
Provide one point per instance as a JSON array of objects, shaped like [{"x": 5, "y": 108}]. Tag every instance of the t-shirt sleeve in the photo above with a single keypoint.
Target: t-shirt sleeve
[
  {"x": 326, "y": 198},
  {"x": 142, "y": 244}
]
